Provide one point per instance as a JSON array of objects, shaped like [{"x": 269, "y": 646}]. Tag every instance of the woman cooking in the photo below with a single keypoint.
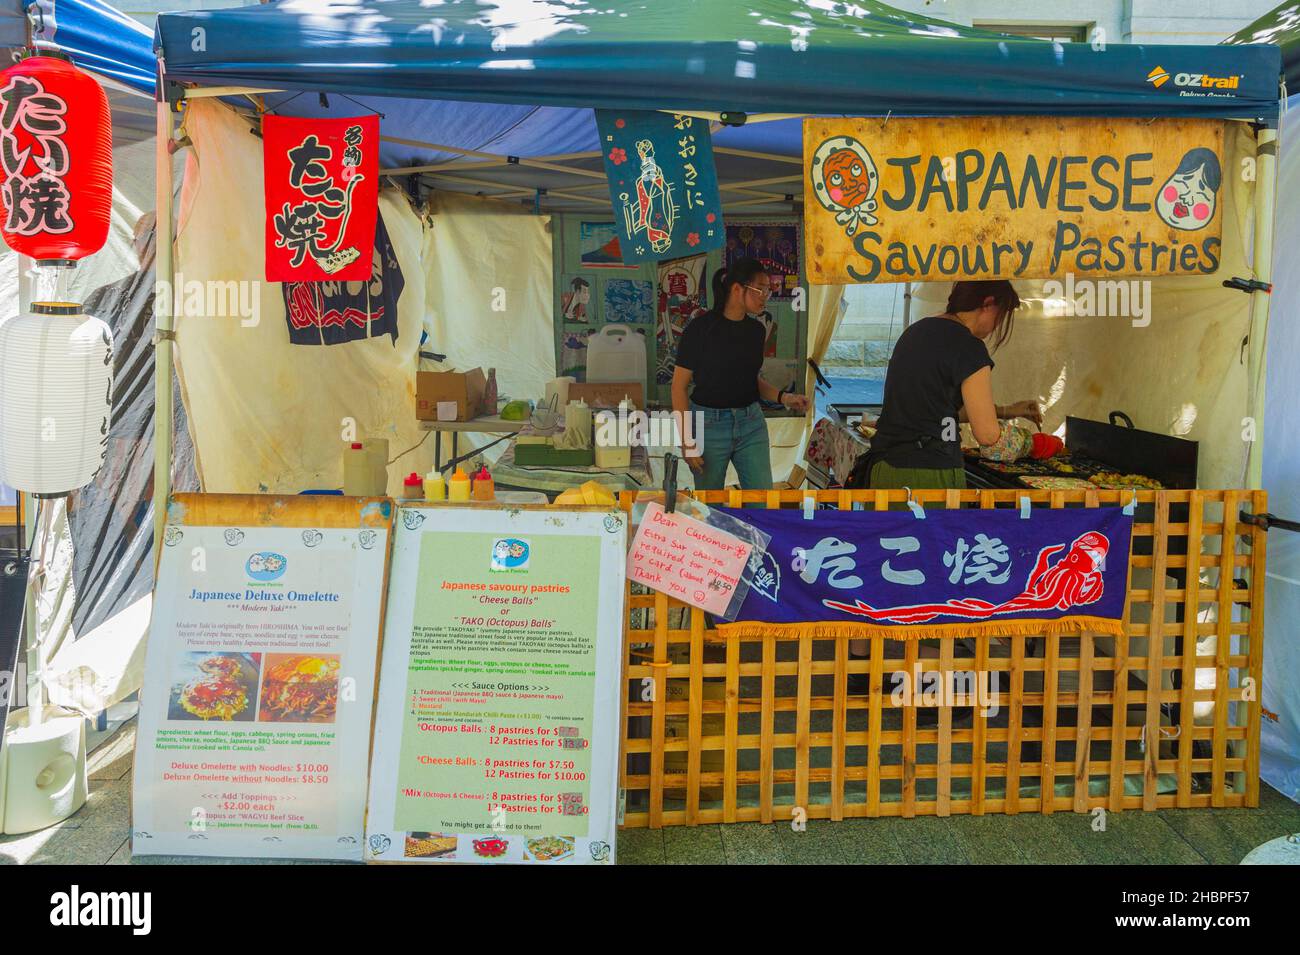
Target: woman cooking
[
  {"x": 940, "y": 374},
  {"x": 721, "y": 354}
]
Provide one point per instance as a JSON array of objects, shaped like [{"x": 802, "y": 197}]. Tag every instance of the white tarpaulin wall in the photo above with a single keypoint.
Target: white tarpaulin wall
[
  {"x": 266, "y": 415},
  {"x": 488, "y": 296},
  {"x": 1184, "y": 374},
  {"x": 1280, "y": 732},
  {"x": 270, "y": 416}
]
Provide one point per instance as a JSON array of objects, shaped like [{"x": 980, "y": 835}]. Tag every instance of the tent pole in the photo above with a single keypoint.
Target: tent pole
[
  {"x": 1265, "y": 179},
  {"x": 163, "y": 326}
]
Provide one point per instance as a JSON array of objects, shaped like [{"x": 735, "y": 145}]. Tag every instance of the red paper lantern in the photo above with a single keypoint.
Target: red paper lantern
[{"x": 56, "y": 160}]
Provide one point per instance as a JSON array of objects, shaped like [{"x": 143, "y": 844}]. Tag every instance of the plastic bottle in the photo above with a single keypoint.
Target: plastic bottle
[
  {"x": 484, "y": 486},
  {"x": 412, "y": 487},
  {"x": 357, "y": 471},
  {"x": 376, "y": 450},
  {"x": 435, "y": 488},
  {"x": 458, "y": 487}
]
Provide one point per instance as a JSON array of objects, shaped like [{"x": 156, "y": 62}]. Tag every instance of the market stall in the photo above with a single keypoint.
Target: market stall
[{"x": 503, "y": 110}]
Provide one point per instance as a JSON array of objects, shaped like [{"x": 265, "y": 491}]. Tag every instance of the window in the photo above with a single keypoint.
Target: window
[{"x": 1059, "y": 32}]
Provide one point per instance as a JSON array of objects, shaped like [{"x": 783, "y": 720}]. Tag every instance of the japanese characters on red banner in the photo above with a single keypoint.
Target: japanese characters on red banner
[
  {"x": 56, "y": 158},
  {"x": 322, "y": 197}
]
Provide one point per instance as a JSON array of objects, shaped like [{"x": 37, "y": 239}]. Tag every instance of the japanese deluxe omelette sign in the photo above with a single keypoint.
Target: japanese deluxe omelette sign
[{"x": 1011, "y": 197}]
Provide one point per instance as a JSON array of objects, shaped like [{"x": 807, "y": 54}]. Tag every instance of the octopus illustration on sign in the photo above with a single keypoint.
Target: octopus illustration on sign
[
  {"x": 652, "y": 211},
  {"x": 844, "y": 180},
  {"x": 1188, "y": 198},
  {"x": 1075, "y": 580}
]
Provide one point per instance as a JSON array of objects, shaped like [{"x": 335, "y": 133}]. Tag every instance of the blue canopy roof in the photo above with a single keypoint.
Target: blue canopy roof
[
  {"x": 519, "y": 78},
  {"x": 99, "y": 38},
  {"x": 786, "y": 56}
]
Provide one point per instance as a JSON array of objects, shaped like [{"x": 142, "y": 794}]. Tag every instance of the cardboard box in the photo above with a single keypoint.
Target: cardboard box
[
  {"x": 465, "y": 388},
  {"x": 607, "y": 394}
]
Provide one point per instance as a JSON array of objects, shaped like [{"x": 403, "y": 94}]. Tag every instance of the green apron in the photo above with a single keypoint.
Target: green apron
[{"x": 885, "y": 475}]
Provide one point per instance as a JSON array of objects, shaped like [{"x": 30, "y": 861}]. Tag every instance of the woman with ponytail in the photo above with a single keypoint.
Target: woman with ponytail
[
  {"x": 939, "y": 376},
  {"x": 720, "y": 356}
]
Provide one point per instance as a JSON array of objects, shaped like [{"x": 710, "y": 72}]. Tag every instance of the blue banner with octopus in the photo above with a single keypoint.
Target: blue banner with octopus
[
  {"x": 662, "y": 182},
  {"x": 948, "y": 573}
]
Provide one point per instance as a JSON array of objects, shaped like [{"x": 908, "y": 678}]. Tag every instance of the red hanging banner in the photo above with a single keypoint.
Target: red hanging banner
[{"x": 322, "y": 197}]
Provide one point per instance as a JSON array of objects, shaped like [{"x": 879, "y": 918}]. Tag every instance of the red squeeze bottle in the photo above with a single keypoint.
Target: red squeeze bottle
[
  {"x": 413, "y": 487},
  {"x": 484, "y": 486}
]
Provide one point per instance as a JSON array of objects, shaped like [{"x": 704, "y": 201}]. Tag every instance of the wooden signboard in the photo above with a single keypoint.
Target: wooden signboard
[{"x": 1011, "y": 197}]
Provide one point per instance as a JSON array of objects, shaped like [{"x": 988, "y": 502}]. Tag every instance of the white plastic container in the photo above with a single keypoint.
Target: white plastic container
[
  {"x": 557, "y": 388},
  {"x": 42, "y": 770},
  {"x": 616, "y": 353}
]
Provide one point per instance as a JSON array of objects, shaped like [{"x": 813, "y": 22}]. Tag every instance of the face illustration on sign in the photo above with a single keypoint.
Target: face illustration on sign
[
  {"x": 1187, "y": 199},
  {"x": 265, "y": 566},
  {"x": 510, "y": 554},
  {"x": 845, "y": 181}
]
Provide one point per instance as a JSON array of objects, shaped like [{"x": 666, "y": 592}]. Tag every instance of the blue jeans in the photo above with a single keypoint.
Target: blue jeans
[{"x": 734, "y": 436}]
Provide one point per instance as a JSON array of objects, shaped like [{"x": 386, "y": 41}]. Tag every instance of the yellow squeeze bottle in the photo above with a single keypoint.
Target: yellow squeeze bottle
[
  {"x": 435, "y": 488},
  {"x": 458, "y": 487}
]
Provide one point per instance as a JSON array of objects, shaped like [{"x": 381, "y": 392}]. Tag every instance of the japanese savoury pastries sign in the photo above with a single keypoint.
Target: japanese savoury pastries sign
[
  {"x": 1011, "y": 197},
  {"x": 951, "y": 573},
  {"x": 496, "y": 731},
  {"x": 259, "y": 678}
]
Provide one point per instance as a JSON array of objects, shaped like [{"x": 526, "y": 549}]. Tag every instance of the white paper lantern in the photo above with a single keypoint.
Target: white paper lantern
[{"x": 56, "y": 382}]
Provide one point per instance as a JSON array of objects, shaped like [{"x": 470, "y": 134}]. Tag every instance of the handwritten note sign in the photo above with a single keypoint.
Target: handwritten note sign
[{"x": 687, "y": 559}]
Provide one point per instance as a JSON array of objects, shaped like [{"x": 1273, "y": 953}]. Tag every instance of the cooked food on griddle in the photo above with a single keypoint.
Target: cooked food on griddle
[{"x": 1112, "y": 480}]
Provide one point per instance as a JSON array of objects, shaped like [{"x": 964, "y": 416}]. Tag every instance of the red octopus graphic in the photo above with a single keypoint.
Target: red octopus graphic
[{"x": 1074, "y": 581}]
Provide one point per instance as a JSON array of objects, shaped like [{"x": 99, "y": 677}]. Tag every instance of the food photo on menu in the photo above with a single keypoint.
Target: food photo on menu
[
  {"x": 429, "y": 845},
  {"x": 298, "y": 688},
  {"x": 215, "y": 686}
]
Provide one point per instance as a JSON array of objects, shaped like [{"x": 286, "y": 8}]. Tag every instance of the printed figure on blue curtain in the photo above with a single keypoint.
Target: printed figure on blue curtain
[
  {"x": 331, "y": 312},
  {"x": 967, "y": 571},
  {"x": 662, "y": 183}
]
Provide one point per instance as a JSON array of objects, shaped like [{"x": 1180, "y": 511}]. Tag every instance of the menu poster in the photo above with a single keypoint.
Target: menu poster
[
  {"x": 496, "y": 731},
  {"x": 258, "y": 689}
]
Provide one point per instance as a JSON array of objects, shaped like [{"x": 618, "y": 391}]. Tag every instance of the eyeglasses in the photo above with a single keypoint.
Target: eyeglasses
[{"x": 765, "y": 292}]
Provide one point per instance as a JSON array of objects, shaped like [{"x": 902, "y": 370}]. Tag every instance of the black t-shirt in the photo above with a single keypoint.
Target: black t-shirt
[
  {"x": 923, "y": 393},
  {"x": 724, "y": 358}
]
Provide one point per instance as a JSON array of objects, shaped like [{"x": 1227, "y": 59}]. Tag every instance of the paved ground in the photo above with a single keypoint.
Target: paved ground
[{"x": 99, "y": 834}]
